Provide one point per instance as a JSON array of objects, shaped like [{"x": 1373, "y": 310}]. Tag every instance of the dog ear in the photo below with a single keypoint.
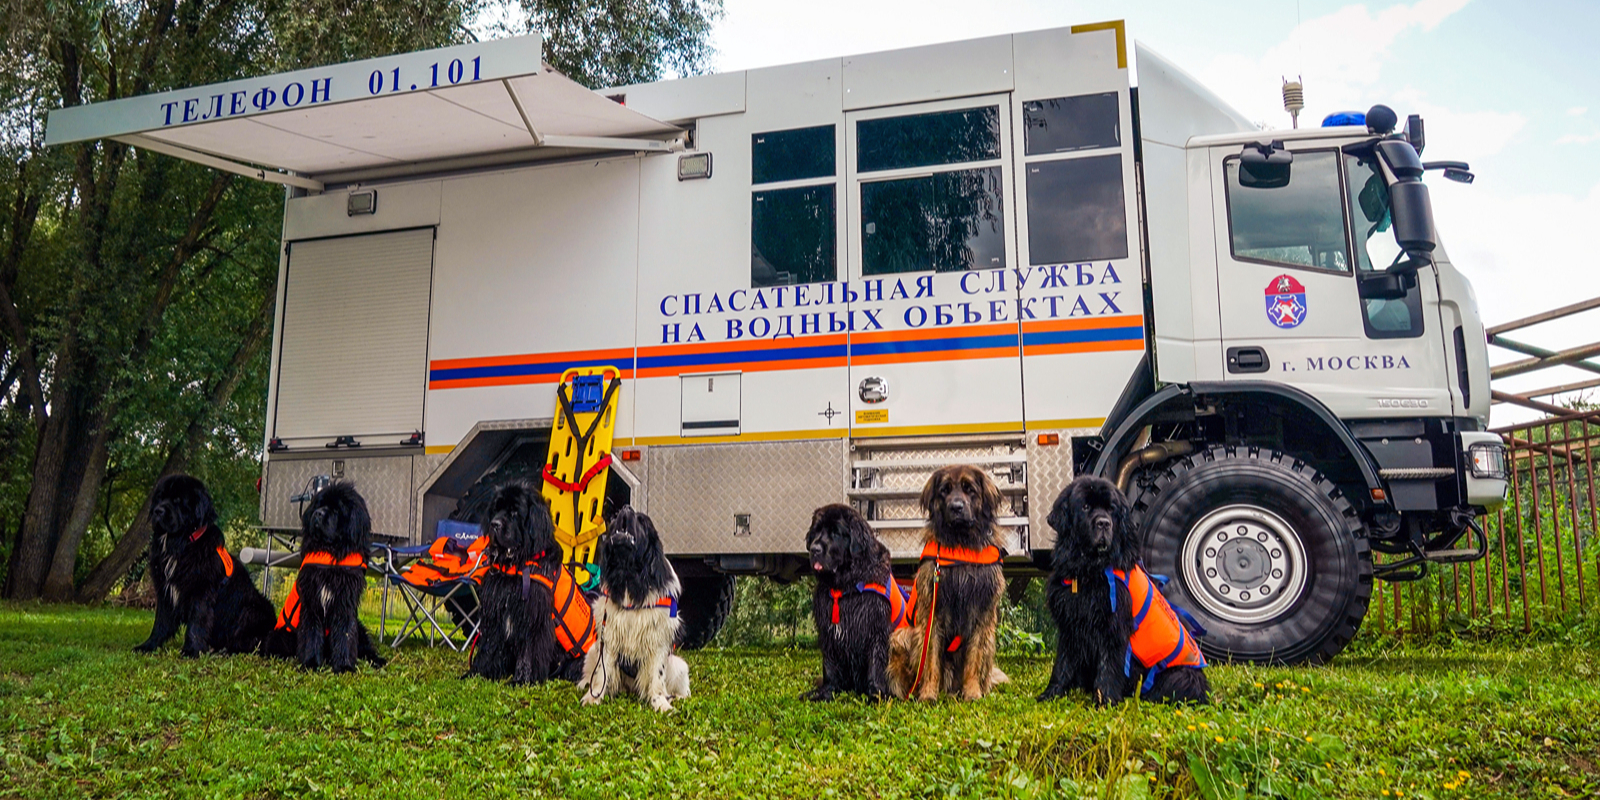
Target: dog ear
[
  {"x": 864, "y": 544},
  {"x": 932, "y": 491},
  {"x": 989, "y": 492},
  {"x": 1126, "y": 538},
  {"x": 204, "y": 508},
  {"x": 1062, "y": 513}
]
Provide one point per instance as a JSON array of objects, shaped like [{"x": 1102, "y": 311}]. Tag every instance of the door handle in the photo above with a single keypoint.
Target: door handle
[{"x": 1248, "y": 359}]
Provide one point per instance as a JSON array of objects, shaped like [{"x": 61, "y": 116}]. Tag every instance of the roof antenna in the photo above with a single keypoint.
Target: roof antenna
[{"x": 1294, "y": 99}]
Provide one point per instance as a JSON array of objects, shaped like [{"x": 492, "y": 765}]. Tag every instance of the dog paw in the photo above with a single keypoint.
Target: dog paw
[
  {"x": 997, "y": 677},
  {"x": 1048, "y": 695},
  {"x": 378, "y": 663},
  {"x": 590, "y": 699},
  {"x": 145, "y": 648},
  {"x": 344, "y": 669},
  {"x": 817, "y": 695},
  {"x": 661, "y": 703},
  {"x": 188, "y": 653}
]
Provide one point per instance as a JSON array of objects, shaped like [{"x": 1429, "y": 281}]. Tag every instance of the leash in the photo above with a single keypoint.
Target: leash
[{"x": 927, "y": 628}]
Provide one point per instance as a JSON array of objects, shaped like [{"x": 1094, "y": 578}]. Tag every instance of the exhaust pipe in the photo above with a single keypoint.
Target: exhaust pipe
[{"x": 1154, "y": 454}]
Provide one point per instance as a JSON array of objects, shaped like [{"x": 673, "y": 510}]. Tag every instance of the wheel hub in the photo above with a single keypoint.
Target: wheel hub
[{"x": 1244, "y": 564}]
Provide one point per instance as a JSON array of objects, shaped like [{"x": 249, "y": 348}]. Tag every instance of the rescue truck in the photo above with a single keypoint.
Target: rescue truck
[{"x": 819, "y": 282}]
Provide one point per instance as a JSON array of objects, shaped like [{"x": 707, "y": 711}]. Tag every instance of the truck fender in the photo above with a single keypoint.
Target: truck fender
[{"x": 1175, "y": 399}]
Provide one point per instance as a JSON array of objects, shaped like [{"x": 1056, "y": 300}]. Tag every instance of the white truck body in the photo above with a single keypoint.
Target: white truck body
[{"x": 823, "y": 280}]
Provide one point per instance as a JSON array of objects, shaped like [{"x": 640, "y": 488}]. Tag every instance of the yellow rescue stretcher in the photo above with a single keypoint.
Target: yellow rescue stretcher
[{"x": 578, "y": 464}]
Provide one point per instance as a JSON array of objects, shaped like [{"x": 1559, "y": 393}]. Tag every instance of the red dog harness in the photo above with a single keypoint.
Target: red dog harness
[
  {"x": 898, "y": 616},
  {"x": 289, "y": 617}
]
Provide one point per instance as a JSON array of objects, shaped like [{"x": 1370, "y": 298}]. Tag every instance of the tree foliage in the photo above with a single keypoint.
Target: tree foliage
[{"x": 136, "y": 291}]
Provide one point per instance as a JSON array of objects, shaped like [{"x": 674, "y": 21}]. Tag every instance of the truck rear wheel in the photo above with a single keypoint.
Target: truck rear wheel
[
  {"x": 702, "y": 608},
  {"x": 1262, "y": 549}
]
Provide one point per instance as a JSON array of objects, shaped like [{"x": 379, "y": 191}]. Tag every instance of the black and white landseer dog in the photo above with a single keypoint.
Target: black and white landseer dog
[
  {"x": 517, "y": 629},
  {"x": 197, "y": 581},
  {"x": 1108, "y": 641},
  {"x": 637, "y": 615},
  {"x": 318, "y": 625},
  {"x": 855, "y": 604},
  {"x": 949, "y": 646}
]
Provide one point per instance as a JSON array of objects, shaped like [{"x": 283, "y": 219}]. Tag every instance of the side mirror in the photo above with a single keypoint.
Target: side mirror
[
  {"x": 1264, "y": 166},
  {"x": 1388, "y": 284},
  {"x": 1413, "y": 219}
]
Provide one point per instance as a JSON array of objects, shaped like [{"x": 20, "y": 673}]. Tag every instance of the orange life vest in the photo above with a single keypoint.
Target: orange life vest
[
  {"x": 952, "y": 556},
  {"x": 947, "y": 557},
  {"x": 1159, "y": 639},
  {"x": 289, "y": 616},
  {"x": 898, "y": 618},
  {"x": 573, "y": 617},
  {"x": 448, "y": 561}
]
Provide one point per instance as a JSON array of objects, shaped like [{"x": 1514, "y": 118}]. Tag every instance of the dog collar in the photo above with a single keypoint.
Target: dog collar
[
  {"x": 668, "y": 602},
  {"x": 1072, "y": 583},
  {"x": 195, "y": 537}
]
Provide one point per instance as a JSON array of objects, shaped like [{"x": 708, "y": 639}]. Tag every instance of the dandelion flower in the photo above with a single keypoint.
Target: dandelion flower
[
  {"x": 1191, "y": 727},
  {"x": 1219, "y": 739}
]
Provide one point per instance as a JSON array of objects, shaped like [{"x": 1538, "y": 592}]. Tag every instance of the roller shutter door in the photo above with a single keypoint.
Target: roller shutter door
[{"x": 354, "y": 359}]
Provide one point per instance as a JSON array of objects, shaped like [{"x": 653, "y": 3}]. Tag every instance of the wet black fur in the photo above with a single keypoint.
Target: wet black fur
[
  {"x": 222, "y": 613},
  {"x": 633, "y": 565},
  {"x": 1094, "y": 532},
  {"x": 845, "y": 553},
  {"x": 335, "y": 522},
  {"x": 516, "y": 631}
]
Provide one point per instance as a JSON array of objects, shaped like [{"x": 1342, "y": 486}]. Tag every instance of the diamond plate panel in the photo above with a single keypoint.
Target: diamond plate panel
[
  {"x": 695, "y": 491},
  {"x": 1049, "y": 471},
  {"x": 384, "y": 481},
  {"x": 921, "y": 460}
]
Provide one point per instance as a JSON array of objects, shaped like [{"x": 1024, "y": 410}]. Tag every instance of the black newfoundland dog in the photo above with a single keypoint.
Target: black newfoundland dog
[
  {"x": 855, "y": 605},
  {"x": 949, "y": 646},
  {"x": 198, "y": 583},
  {"x": 1114, "y": 630},
  {"x": 318, "y": 625},
  {"x": 517, "y": 632}
]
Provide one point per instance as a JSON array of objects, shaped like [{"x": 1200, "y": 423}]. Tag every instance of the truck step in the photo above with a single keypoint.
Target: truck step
[
  {"x": 941, "y": 442},
  {"x": 907, "y": 524},
  {"x": 1460, "y": 556},
  {"x": 977, "y": 461},
  {"x": 879, "y": 493}
]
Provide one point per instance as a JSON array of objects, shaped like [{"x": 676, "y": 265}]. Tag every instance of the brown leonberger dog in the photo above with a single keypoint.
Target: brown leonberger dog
[{"x": 949, "y": 646}]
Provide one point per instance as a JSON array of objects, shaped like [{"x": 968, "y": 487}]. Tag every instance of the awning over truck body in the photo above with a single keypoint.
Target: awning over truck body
[{"x": 370, "y": 118}]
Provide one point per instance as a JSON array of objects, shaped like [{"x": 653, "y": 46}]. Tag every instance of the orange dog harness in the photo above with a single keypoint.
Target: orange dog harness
[
  {"x": 574, "y": 618},
  {"x": 289, "y": 617},
  {"x": 898, "y": 616},
  {"x": 222, "y": 552},
  {"x": 1160, "y": 640}
]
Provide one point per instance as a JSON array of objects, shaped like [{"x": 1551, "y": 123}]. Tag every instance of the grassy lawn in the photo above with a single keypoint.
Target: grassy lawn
[{"x": 82, "y": 715}]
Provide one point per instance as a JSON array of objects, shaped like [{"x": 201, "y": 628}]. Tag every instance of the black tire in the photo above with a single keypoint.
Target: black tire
[
  {"x": 1281, "y": 505},
  {"x": 702, "y": 608}
]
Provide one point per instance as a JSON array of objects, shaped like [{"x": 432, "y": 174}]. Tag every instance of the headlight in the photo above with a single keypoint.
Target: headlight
[{"x": 1488, "y": 460}]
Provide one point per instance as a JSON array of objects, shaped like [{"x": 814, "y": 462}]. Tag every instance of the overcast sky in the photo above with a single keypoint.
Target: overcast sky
[{"x": 1513, "y": 91}]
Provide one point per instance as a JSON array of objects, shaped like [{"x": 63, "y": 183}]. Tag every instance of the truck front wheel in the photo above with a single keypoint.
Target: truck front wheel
[{"x": 1262, "y": 549}]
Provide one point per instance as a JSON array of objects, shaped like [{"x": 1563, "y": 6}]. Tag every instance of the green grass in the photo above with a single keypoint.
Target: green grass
[{"x": 82, "y": 715}]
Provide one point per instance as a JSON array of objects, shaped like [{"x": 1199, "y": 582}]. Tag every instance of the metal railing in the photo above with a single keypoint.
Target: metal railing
[{"x": 1543, "y": 562}]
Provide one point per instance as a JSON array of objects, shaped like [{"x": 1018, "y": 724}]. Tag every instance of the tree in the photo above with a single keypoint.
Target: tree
[{"x": 136, "y": 290}]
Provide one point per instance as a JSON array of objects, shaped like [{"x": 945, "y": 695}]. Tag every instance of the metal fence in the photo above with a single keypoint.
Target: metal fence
[{"x": 1542, "y": 563}]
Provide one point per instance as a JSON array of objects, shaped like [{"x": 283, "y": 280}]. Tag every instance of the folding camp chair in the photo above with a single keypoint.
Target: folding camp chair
[{"x": 441, "y": 592}]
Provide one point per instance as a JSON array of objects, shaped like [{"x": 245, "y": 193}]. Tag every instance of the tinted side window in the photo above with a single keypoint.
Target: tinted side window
[
  {"x": 922, "y": 140},
  {"x": 792, "y": 155},
  {"x": 1076, "y": 211},
  {"x": 1065, "y": 124},
  {"x": 1299, "y": 225},
  {"x": 944, "y": 222},
  {"x": 792, "y": 236}
]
